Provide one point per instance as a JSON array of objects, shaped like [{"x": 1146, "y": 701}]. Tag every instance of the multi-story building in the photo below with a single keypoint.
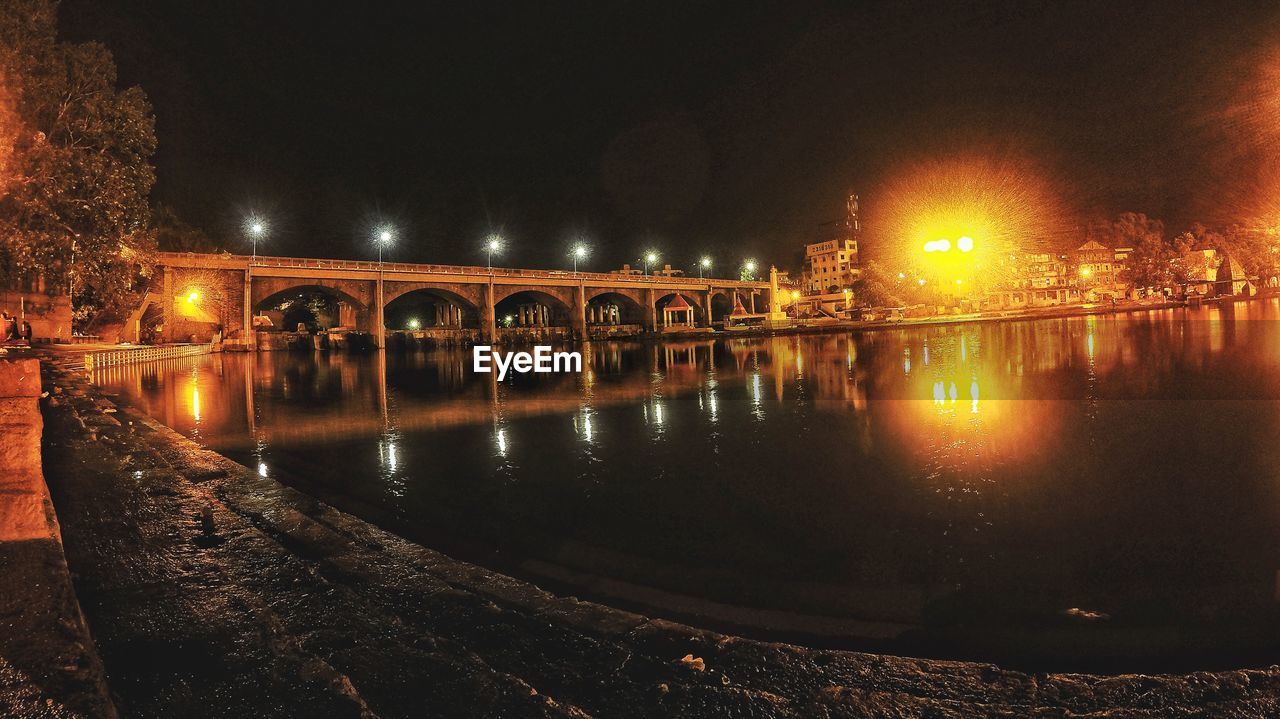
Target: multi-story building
[
  {"x": 832, "y": 265},
  {"x": 1036, "y": 279},
  {"x": 1098, "y": 269}
]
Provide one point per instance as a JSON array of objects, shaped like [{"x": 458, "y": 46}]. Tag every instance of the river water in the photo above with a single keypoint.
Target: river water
[{"x": 1081, "y": 491}]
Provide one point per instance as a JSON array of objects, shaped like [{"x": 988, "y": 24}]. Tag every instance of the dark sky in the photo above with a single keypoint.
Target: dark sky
[{"x": 734, "y": 128}]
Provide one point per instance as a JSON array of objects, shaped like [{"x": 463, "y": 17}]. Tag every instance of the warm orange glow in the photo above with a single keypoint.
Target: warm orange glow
[
  {"x": 965, "y": 212},
  {"x": 9, "y": 128}
]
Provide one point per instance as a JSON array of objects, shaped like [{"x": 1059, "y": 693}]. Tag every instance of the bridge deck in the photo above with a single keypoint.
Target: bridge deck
[{"x": 289, "y": 266}]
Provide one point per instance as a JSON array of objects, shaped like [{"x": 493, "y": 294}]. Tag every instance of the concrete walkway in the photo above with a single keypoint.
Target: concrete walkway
[{"x": 213, "y": 592}]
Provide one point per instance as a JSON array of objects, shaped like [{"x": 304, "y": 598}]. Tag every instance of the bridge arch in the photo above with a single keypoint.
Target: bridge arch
[
  {"x": 695, "y": 302},
  {"x": 611, "y": 307},
  {"x": 532, "y": 308},
  {"x": 342, "y": 308},
  {"x": 721, "y": 305},
  {"x": 421, "y": 306}
]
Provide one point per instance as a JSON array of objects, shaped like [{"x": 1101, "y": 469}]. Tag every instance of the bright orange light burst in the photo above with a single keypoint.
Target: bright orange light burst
[{"x": 959, "y": 213}]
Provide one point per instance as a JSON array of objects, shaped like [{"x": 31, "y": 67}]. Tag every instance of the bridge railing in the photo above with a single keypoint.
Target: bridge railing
[{"x": 410, "y": 267}]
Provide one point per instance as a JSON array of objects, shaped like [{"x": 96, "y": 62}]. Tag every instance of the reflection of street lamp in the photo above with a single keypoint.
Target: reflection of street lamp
[
  {"x": 650, "y": 258},
  {"x": 703, "y": 265},
  {"x": 579, "y": 252},
  {"x": 491, "y": 245}
]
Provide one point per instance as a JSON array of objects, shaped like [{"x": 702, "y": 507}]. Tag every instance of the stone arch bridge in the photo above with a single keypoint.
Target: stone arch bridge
[{"x": 193, "y": 289}]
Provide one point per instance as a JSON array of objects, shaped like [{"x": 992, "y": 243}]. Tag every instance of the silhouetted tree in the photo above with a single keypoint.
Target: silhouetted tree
[
  {"x": 175, "y": 235},
  {"x": 1150, "y": 265},
  {"x": 876, "y": 287}
]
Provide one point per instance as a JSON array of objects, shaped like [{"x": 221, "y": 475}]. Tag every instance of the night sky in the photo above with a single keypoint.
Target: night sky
[{"x": 732, "y": 128}]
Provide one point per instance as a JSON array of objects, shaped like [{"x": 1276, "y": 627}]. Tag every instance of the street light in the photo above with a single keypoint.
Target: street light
[
  {"x": 383, "y": 237},
  {"x": 579, "y": 253},
  {"x": 256, "y": 229},
  {"x": 703, "y": 265},
  {"x": 414, "y": 323},
  {"x": 749, "y": 267},
  {"x": 650, "y": 258},
  {"x": 492, "y": 244}
]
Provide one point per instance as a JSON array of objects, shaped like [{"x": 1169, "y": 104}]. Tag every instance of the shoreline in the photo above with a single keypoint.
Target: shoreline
[{"x": 187, "y": 562}]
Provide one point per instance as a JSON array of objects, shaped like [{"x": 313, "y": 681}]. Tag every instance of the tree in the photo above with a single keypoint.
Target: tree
[
  {"x": 876, "y": 287},
  {"x": 1150, "y": 265},
  {"x": 175, "y": 235},
  {"x": 74, "y": 197}
]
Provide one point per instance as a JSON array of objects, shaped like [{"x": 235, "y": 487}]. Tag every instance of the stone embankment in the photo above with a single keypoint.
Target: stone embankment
[
  {"x": 212, "y": 591},
  {"x": 48, "y": 667}
]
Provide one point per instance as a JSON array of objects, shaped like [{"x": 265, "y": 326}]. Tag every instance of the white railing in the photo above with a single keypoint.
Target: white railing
[{"x": 134, "y": 355}]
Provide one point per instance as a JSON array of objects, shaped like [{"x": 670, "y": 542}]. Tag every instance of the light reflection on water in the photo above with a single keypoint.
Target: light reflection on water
[{"x": 1123, "y": 463}]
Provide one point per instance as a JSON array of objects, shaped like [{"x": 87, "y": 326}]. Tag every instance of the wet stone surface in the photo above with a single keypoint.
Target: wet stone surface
[{"x": 211, "y": 591}]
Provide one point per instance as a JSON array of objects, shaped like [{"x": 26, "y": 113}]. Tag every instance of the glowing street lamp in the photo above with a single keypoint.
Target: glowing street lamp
[
  {"x": 383, "y": 237},
  {"x": 414, "y": 323},
  {"x": 749, "y": 268},
  {"x": 704, "y": 264},
  {"x": 256, "y": 228},
  {"x": 492, "y": 244},
  {"x": 579, "y": 252},
  {"x": 650, "y": 258}
]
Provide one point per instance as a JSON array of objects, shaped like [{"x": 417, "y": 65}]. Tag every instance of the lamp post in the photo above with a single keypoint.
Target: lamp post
[
  {"x": 579, "y": 252},
  {"x": 650, "y": 258},
  {"x": 491, "y": 245},
  {"x": 704, "y": 264},
  {"x": 256, "y": 231},
  {"x": 749, "y": 269},
  {"x": 384, "y": 238}
]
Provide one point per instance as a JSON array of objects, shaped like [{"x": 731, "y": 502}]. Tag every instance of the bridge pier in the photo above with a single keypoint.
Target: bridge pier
[
  {"x": 580, "y": 312},
  {"x": 650, "y": 311},
  {"x": 246, "y": 317},
  {"x": 168, "y": 317},
  {"x": 706, "y": 308},
  {"x": 489, "y": 315},
  {"x": 379, "y": 323}
]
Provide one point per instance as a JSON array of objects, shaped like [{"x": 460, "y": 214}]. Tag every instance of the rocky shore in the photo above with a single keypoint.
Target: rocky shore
[{"x": 212, "y": 591}]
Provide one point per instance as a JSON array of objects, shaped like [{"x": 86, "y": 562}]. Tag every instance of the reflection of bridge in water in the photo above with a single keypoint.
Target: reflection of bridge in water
[
  {"x": 196, "y": 292},
  {"x": 351, "y": 397}
]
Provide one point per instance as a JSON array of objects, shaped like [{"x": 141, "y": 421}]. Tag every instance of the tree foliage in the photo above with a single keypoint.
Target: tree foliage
[
  {"x": 1150, "y": 263},
  {"x": 74, "y": 196},
  {"x": 877, "y": 287},
  {"x": 175, "y": 235}
]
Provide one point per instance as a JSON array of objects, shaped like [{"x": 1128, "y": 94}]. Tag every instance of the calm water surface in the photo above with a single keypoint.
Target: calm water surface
[{"x": 941, "y": 479}]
